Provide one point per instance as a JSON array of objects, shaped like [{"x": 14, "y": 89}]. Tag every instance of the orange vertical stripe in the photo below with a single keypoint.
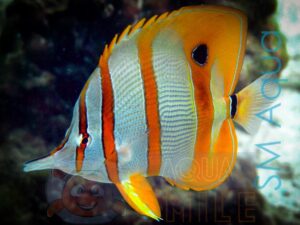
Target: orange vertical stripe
[
  {"x": 151, "y": 102},
  {"x": 108, "y": 139}
]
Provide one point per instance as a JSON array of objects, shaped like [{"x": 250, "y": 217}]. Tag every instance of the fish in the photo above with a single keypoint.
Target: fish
[{"x": 161, "y": 102}]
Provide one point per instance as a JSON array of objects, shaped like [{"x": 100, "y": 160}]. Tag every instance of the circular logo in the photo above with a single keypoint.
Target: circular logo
[{"x": 78, "y": 200}]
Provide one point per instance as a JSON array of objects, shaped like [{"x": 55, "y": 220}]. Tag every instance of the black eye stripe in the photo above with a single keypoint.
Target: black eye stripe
[{"x": 200, "y": 54}]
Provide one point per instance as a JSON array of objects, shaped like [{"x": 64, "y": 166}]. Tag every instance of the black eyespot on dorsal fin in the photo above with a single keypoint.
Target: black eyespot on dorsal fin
[{"x": 200, "y": 54}]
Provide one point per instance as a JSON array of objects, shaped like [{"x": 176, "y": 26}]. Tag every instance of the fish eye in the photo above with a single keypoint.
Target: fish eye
[
  {"x": 200, "y": 54},
  {"x": 85, "y": 140}
]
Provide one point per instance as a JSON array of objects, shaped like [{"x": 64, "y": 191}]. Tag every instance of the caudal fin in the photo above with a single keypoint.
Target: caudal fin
[{"x": 253, "y": 99}]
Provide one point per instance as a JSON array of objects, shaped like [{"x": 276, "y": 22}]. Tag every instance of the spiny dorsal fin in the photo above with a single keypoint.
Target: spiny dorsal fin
[
  {"x": 162, "y": 16},
  {"x": 137, "y": 26},
  {"x": 129, "y": 30},
  {"x": 124, "y": 33},
  {"x": 112, "y": 43},
  {"x": 150, "y": 21}
]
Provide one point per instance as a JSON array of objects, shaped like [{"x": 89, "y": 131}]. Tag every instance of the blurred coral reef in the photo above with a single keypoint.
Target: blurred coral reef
[{"x": 48, "y": 48}]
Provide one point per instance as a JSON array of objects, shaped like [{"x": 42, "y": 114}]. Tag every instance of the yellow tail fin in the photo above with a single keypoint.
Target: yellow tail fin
[{"x": 253, "y": 99}]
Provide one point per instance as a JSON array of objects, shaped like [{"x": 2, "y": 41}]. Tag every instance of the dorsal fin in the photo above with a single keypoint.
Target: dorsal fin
[
  {"x": 162, "y": 16},
  {"x": 124, "y": 33},
  {"x": 112, "y": 43},
  {"x": 137, "y": 26},
  {"x": 150, "y": 21},
  {"x": 130, "y": 30}
]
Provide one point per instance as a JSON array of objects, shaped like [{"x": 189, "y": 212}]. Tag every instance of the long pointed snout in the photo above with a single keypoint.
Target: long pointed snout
[{"x": 42, "y": 163}]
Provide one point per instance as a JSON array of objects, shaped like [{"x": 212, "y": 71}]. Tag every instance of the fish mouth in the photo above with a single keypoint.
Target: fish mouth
[{"x": 87, "y": 207}]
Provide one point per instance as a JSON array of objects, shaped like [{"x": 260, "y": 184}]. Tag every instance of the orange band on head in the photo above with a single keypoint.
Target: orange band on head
[
  {"x": 82, "y": 130},
  {"x": 79, "y": 157},
  {"x": 110, "y": 154},
  {"x": 83, "y": 125}
]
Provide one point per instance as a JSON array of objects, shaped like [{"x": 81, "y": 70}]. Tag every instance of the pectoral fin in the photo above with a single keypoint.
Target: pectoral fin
[{"x": 140, "y": 196}]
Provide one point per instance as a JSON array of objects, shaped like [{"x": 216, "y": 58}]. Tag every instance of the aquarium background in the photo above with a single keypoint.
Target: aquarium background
[{"x": 48, "y": 49}]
